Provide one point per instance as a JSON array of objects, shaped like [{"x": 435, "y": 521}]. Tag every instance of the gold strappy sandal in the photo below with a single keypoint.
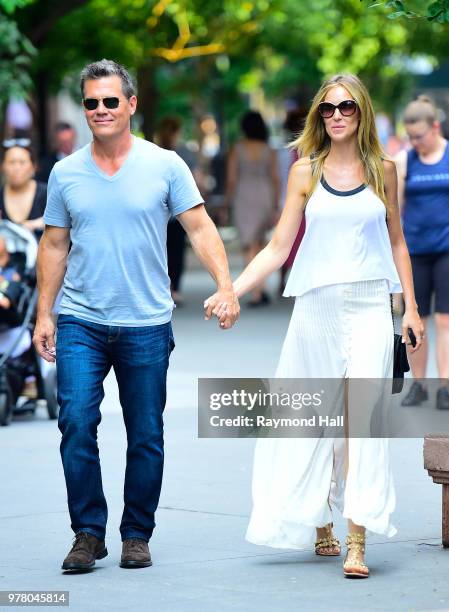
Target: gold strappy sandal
[
  {"x": 354, "y": 566},
  {"x": 329, "y": 541}
]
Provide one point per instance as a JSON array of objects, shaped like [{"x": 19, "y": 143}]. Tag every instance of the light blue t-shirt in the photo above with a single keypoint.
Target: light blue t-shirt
[{"x": 117, "y": 266}]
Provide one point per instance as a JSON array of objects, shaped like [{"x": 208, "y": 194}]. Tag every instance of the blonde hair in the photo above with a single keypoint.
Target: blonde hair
[
  {"x": 421, "y": 109},
  {"x": 314, "y": 140}
]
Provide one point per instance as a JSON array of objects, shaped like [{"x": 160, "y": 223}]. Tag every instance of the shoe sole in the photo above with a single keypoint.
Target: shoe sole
[
  {"x": 135, "y": 564},
  {"x": 85, "y": 566},
  {"x": 355, "y": 575}
]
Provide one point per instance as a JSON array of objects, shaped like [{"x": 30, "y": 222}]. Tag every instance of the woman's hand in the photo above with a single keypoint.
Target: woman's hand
[{"x": 412, "y": 319}]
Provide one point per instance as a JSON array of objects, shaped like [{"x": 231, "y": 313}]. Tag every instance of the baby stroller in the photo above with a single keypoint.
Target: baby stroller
[{"x": 18, "y": 358}]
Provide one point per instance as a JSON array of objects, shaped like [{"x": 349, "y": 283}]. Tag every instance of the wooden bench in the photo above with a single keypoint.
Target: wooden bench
[{"x": 436, "y": 462}]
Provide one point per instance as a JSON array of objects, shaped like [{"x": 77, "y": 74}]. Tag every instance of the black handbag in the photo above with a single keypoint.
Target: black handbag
[{"x": 400, "y": 361}]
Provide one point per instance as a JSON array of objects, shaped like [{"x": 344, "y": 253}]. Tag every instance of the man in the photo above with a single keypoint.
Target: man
[
  {"x": 65, "y": 137},
  {"x": 112, "y": 200}
]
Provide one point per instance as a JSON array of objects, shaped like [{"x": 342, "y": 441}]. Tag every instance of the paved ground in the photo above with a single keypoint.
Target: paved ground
[{"x": 201, "y": 560}]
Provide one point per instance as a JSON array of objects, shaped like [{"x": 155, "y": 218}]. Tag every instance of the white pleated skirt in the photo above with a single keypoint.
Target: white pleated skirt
[{"x": 336, "y": 331}]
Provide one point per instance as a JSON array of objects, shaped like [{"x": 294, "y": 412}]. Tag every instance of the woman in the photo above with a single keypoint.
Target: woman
[
  {"x": 341, "y": 327},
  {"x": 424, "y": 191},
  {"x": 22, "y": 199},
  {"x": 253, "y": 187}
]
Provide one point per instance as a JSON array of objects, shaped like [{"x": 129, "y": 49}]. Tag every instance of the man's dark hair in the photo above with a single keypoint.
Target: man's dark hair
[
  {"x": 106, "y": 68},
  {"x": 61, "y": 126}
]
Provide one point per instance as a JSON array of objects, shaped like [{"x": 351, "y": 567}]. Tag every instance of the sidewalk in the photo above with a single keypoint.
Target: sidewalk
[{"x": 201, "y": 560}]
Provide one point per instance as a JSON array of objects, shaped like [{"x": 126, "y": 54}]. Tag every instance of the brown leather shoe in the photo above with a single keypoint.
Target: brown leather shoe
[
  {"x": 135, "y": 553},
  {"x": 86, "y": 548}
]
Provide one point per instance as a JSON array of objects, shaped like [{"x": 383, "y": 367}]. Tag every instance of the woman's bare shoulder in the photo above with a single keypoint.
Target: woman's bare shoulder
[
  {"x": 302, "y": 164},
  {"x": 302, "y": 168},
  {"x": 389, "y": 167},
  {"x": 301, "y": 175},
  {"x": 391, "y": 175}
]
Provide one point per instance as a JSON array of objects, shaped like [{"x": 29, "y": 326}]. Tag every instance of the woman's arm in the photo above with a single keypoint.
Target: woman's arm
[
  {"x": 402, "y": 258},
  {"x": 277, "y": 250}
]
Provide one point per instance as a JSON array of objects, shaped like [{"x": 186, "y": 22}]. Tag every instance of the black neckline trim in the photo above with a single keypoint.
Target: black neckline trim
[{"x": 341, "y": 193}]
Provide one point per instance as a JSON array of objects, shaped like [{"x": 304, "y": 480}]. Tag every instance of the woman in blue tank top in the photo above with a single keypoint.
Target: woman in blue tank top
[{"x": 424, "y": 196}]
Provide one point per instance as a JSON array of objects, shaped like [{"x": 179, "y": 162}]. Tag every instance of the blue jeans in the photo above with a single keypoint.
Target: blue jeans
[{"x": 139, "y": 355}]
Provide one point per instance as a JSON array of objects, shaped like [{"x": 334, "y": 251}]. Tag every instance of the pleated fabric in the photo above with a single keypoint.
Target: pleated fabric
[{"x": 336, "y": 331}]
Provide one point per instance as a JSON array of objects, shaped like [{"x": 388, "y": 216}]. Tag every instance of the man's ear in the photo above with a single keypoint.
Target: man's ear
[{"x": 133, "y": 104}]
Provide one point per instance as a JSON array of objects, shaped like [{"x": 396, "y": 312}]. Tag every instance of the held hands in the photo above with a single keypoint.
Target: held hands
[
  {"x": 44, "y": 338},
  {"x": 224, "y": 305},
  {"x": 412, "y": 319}
]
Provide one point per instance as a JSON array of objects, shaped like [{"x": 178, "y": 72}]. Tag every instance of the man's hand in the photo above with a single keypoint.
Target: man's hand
[
  {"x": 224, "y": 305},
  {"x": 44, "y": 338}
]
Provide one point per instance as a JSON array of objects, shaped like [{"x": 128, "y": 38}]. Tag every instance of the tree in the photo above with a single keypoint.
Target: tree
[
  {"x": 435, "y": 10},
  {"x": 165, "y": 42},
  {"x": 16, "y": 54},
  {"x": 208, "y": 55}
]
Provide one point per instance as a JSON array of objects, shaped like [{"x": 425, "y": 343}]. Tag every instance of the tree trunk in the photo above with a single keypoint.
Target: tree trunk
[
  {"x": 148, "y": 98},
  {"x": 41, "y": 88}
]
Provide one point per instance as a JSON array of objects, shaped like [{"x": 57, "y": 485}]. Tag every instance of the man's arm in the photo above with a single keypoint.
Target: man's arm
[
  {"x": 209, "y": 248},
  {"x": 51, "y": 266}
]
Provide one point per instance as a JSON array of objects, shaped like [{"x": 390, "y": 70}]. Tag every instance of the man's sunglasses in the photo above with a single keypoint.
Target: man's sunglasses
[
  {"x": 92, "y": 103},
  {"x": 346, "y": 108}
]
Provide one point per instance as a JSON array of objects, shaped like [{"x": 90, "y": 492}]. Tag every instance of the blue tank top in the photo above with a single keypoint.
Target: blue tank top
[{"x": 426, "y": 207}]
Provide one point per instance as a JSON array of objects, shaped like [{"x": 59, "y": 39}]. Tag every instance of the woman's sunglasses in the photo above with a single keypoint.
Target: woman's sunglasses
[
  {"x": 346, "y": 108},
  {"x": 16, "y": 142},
  {"x": 92, "y": 103}
]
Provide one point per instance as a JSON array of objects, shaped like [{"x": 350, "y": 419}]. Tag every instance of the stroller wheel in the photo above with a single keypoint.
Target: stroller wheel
[
  {"x": 50, "y": 392},
  {"x": 6, "y": 408}
]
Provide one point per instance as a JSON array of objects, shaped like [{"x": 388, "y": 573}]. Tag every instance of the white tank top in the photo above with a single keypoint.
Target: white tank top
[{"x": 346, "y": 240}]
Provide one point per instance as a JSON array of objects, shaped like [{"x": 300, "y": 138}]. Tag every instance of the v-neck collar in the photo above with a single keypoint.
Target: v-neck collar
[{"x": 119, "y": 172}]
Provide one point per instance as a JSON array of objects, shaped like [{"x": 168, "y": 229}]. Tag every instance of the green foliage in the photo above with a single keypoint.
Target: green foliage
[
  {"x": 301, "y": 46},
  {"x": 9, "y": 6},
  {"x": 15, "y": 60},
  {"x": 209, "y": 55},
  {"x": 435, "y": 10}
]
